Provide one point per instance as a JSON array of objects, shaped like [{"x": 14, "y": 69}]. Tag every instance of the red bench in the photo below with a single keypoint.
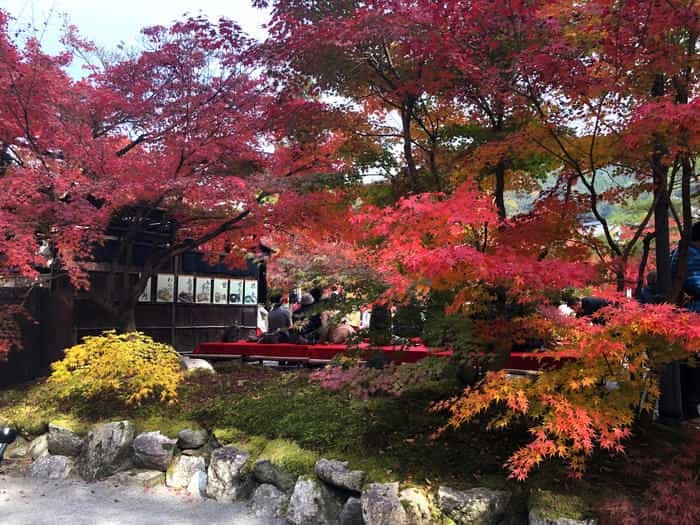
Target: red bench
[
  {"x": 311, "y": 353},
  {"x": 324, "y": 353}
]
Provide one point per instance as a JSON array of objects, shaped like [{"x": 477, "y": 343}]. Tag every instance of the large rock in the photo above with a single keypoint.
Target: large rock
[
  {"x": 479, "y": 506},
  {"x": 18, "y": 449},
  {"x": 226, "y": 480},
  {"x": 63, "y": 441},
  {"x": 338, "y": 474},
  {"x": 417, "y": 506},
  {"x": 107, "y": 450},
  {"x": 39, "y": 446},
  {"x": 537, "y": 517},
  {"x": 266, "y": 472},
  {"x": 189, "y": 364},
  {"x": 198, "y": 485},
  {"x": 381, "y": 505},
  {"x": 53, "y": 467},
  {"x": 182, "y": 469},
  {"x": 351, "y": 513},
  {"x": 268, "y": 501},
  {"x": 191, "y": 439},
  {"x": 312, "y": 504},
  {"x": 154, "y": 450},
  {"x": 139, "y": 477}
]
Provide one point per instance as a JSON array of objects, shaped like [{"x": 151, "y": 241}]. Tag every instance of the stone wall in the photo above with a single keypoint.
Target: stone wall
[{"x": 205, "y": 468}]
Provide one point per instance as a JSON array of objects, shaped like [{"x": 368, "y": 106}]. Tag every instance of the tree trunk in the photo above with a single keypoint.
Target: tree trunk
[
  {"x": 620, "y": 274},
  {"x": 661, "y": 216},
  {"x": 500, "y": 189},
  {"x": 406, "y": 119},
  {"x": 127, "y": 319},
  {"x": 641, "y": 272},
  {"x": 681, "y": 267},
  {"x": 433, "y": 166}
]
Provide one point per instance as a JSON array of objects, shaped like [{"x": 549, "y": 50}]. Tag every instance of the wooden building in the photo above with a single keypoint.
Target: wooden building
[{"x": 188, "y": 301}]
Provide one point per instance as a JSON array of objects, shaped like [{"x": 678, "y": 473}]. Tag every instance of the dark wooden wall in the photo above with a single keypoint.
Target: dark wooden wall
[
  {"x": 182, "y": 325},
  {"x": 44, "y": 336}
]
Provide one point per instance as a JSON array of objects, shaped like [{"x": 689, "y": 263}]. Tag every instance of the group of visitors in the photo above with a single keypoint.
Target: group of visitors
[{"x": 314, "y": 319}]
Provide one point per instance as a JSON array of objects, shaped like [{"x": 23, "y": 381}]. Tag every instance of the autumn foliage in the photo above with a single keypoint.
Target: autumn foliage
[
  {"x": 118, "y": 368},
  {"x": 468, "y": 150}
]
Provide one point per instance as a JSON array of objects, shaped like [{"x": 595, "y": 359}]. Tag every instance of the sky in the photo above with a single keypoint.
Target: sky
[{"x": 110, "y": 22}]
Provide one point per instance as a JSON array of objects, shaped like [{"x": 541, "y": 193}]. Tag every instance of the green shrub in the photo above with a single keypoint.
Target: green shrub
[{"x": 124, "y": 368}]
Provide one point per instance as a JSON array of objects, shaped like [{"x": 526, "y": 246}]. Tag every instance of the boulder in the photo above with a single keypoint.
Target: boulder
[
  {"x": 266, "y": 472},
  {"x": 107, "y": 450},
  {"x": 189, "y": 364},
  {"x": 351, "y": 513},
  {"x": 479, "y": 506},
  {"x": 338, "y": 474},
  {"x": 202, "y": 452},
  {"x": 268, "y": 501},
  {"x": 537, "y": 517},
  {"x": 381, "y": 505},
  {"x": 182, "y": 469},
  {"x": 18, "y": 449},
  {"x": 312, "y": 504},
  {"x": 53, "y": 467},
  {"x": 226, "y": 481},
  {"x": 417, "y": 506},
  {"x": 153, "y": 450},
  {"x": 39, "y": 446},
  {"x": 63, "y": 441},
  {"x": 197, "y": 486},
  {"x": 139, "y": 477},
  {"x": 191, "y": 439}
]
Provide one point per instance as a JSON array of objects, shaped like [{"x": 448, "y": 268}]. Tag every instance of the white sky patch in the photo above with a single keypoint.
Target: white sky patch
[{"x": 111, "y": 22}]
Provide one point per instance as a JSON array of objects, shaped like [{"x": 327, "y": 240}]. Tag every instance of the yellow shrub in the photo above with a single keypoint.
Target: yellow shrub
[{"x": 130, "y": 368}]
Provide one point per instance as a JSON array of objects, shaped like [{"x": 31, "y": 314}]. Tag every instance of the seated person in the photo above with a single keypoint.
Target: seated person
[
  {"x": 279, "y": 317},
  {"x": 341, "y": 333},
  {"x": 232, "y": 334},
  {"x": 649, "y": 294},
  {"x": 304, "y": 311},
  {"x": 692, "y": 280},
  {"x": 308, "y": 318}
]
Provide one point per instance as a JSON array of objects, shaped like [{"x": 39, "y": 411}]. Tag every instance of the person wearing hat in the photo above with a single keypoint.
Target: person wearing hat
[{"x": 307, "y": 304}]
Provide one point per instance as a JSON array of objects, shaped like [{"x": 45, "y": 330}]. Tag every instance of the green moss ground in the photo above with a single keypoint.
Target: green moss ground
[{"x": 280, "y": 416}]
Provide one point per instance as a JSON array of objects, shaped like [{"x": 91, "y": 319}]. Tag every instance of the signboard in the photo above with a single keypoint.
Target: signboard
[
  {"x": 165, "y": 287},
  {"x": 220, "y": 291},
  {"x": 202, "y": 290},
  {"x": 185, "y": 289},
  {"x": 235, "y": 291},
  {"x": 251, "y": 292}
]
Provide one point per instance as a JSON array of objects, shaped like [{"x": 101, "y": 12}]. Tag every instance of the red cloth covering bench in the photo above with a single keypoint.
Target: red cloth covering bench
[
  {"x": 324, "y": 353},
  {"x": 321, "y": 353}
]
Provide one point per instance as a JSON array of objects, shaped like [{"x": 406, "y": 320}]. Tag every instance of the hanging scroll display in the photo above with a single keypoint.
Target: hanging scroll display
[
  {"x": 235, "y": 291},
  {"x": 220, "y": 291},
  {"x": 165, "y": 287},
  {"x": 251, "y": 292}
]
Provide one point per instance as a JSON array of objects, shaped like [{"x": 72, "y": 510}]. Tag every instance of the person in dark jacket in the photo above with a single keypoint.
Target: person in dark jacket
[
  {"x": 692, "y": 280},
  {"x": 649, "y": 294},
  {"x": 680, "y": 383},
  {"x": 279, "y": 318},
  {"x": 304, "y": 311}
]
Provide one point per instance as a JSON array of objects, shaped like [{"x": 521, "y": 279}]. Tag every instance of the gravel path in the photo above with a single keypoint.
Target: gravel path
[{"x": 26, "y": 501}]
